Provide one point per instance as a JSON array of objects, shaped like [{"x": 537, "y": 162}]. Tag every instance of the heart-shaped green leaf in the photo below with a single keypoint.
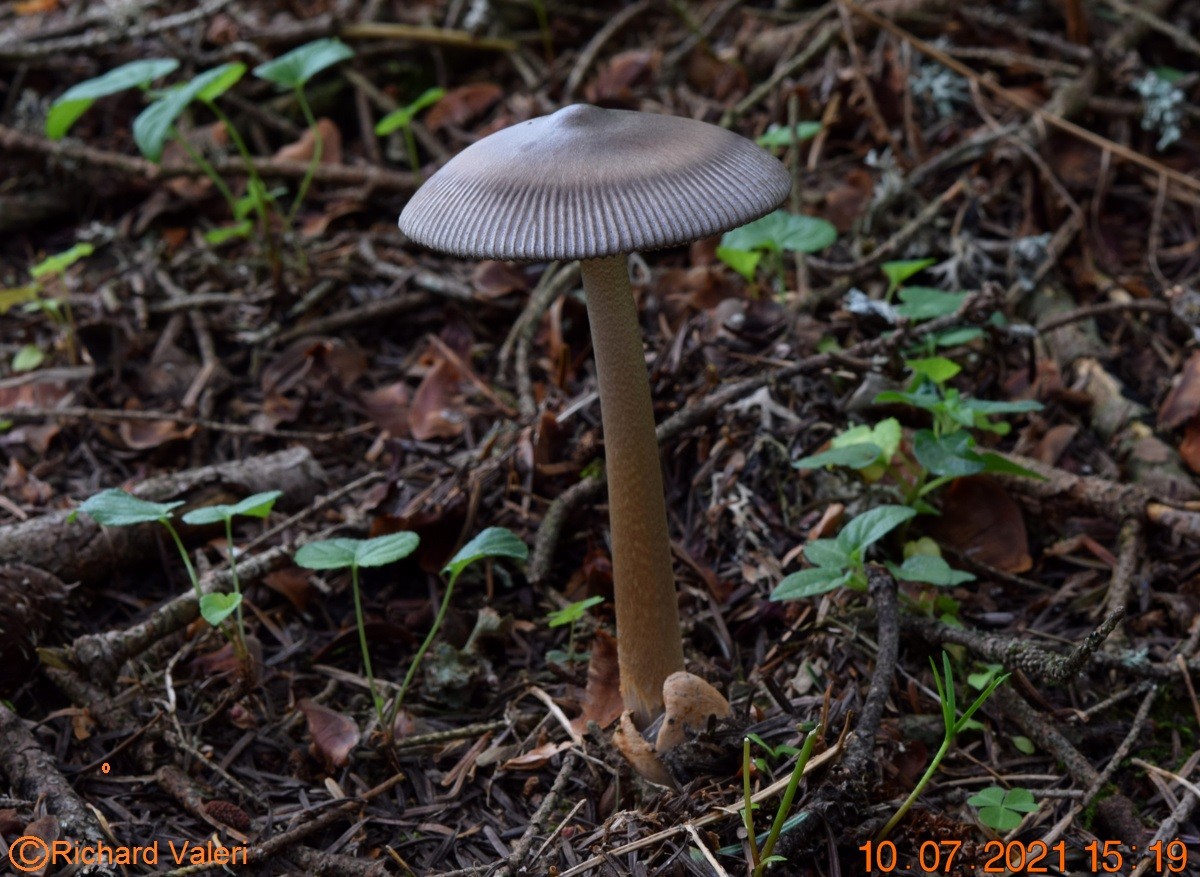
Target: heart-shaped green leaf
[
  {"x": 75, "y": 101},
  {"x": 383, "y": 550},
  {"x": 256, "y": 506},
  {"x": 304, "y": 62},
  {"x": 871, "y": 526},
  {"x": 327, "y": 554},
  {"x": 116, "y": 508},
  {"x": 492, "y": 542},
  {"x": 215, "y": 608}
]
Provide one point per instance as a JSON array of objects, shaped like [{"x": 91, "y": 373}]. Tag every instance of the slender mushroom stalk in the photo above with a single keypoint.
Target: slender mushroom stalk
[
  {"x": 596, "y": 185},
  {"x": 650, "y": 647}
]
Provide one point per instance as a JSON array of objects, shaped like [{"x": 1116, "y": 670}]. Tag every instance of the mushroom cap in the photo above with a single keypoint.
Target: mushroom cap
[{"x": 587, "y": 182}]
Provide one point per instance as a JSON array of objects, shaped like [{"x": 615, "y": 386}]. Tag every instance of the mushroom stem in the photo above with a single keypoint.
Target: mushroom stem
[{"x": 649, "y": 644}]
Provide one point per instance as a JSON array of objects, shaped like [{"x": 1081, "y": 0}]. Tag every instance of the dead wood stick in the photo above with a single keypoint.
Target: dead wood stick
[
  {"x": 82, "y": 551},
  {"x": 33, "y": 774}
]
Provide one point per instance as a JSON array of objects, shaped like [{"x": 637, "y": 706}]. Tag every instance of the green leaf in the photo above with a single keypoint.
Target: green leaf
[
  {"x": 219, "y": 80},
  {"x": 256, "y": 506},
  {"x": 955, "y": 337},
  {"x": 924, "y": 303},
  {"x": 75, "y": 101},
  {"x": 930, "y": 570},
  {"x": 117, "y": 508},
  {"x": 1001, "y": 810},
  {"x": 492, "y": 542},
  {"x": 217, "y": 236},
  {"x": 902, "y": 269},
  {"x": 572, "y": 613},
  {"x": 327, "y": 554},
  {"x": 402, "y": 117},
  {"x": 809, "y": 583},
  {"x": 304, "y": 62},
  {"x": 948, "y": 454},
  {"x": 744, "y": 262},
  {"x": 935, "y": 368},
  {"x": 1023, "y": 745},
  {"x": 215, "y": 608},
  {"x": 782, "y": 232},
  {"x": 871, "y": 526},
  {"x": 29, "y": 357},
  {"x": 383, "y": 550},
  {"x": 778, "y": 135},
  {"x": 16, "y": 295},
  {"x": 153, "y": 125},
  {"x": 60, "y": 262},
  {"x": 827, "y": 553},
  {"x": 996, "y": 463},
  {"x": 991, "y": 407},
  {"x": 855, "y": 456}
]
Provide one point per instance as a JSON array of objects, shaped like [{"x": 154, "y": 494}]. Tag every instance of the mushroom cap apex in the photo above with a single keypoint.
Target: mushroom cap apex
[{"x": 586, "y": 182}]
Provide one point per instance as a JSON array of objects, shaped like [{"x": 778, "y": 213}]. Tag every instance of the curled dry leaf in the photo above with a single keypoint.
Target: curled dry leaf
[
  {"x": 436, "y": 406},
  {"x": 602, "y": 699},
  {"x": 1189, "y": 448},
  {"x": 302, "y": 149},
  {"x": 493, "y": 279},
  {"x": 982, "y": 521},
  {"x": 1183, "y": 402},
  {"x": 334, "y": 735},
  {"x": 292, "y": 583},
  {"x": 537, "y": 757},
  {"x": 144, "y": 435},
  {"x": 617, "y": 79},
  {"x": 461, "y": 105},
  {"x": 689, "y": 702},
  {"x": 388, "y": 407},
  {"x": 639, "y": 753}
]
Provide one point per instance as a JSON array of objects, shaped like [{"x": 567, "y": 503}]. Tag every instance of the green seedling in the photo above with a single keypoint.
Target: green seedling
[
  {"x": 117, "y": 508},
  {"x": 778, "y": 136},
  {"x": 43, "y": 276},
  {"x": 570, "y": 615},
  {"x": 355, "y": 554},
  {"x": 953, "y": 723},
  {"x": 401, "y": 120},
  {"x": 840, "y": 562},
  {"x": 1002, "y": 810},
  {"x": 742, "y": 249},
  {"x": 871, "y": 450},
  {"x": 76, "y": 100},
  {"x": 762, "y": 847},
  {"x": 293, "y": 71},
  {"x": 217, "y": 607},
  {"x": 901, "y": 270}
]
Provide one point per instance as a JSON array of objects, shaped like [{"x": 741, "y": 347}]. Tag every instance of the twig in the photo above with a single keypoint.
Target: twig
[
  {"x": 1150, "y": 305},
  {"x": 588, "y": 55},
  {"x": 521, "y": 848}
]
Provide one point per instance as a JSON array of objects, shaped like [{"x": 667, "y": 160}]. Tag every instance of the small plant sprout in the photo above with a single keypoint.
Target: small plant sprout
[
  {"x": 953, "y": 724},
  {"x": 762, "y": 847},
  {"x": 401, "y": 120},
  {"x": 76, "y": 100},
  {"x": 1002, "y": 810},
  {"x": 217, "y": 607},
  {"x": 117, "y": 508},
  {"x": 490, "y": 543},
  {"x": 901, "y": 270},
  {"x": 354, "y": 554},
  {"x": 293, "y": 71},
  {"x": 742, "y": 249},
  {"x": 32, "y": 297},
  {"x": 777, "y": 136},
  {"x": 570, "y": 615}
]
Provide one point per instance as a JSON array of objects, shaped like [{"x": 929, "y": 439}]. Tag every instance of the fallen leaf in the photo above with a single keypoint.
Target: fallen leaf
[
  {"x": 982, "y": 521},
  {"x": 334, "y": 735},
  {"x": 291, "y": 583},
  {"x": 1054, "y": 444},
  {"x": 1183, "y": 401},
  {"x": 463, "y": 104},
  {"x": 302, "y": 149},
  {"x": 617, "y": 78},
  {"x": 143, "y": 435},
  {"x": 602, "y": 702},
  {"x": 436, "y": 406},
  {"x": 493, "y": 279},
  {"x": 639, "y": 753},
  {"x": 713, "y": 75},
  {"x": 1189, "y": 448},
  {"x": 388, "y": 407},
  {"x": 537, "y": 757}
]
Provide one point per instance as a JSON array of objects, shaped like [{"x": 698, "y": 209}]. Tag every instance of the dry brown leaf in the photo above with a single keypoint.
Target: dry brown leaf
[
  {"x": 493, "y": 279},
  {"x": 35, "y": 7},
  {"x": 436, "y": 410},
  {"x": 46, "y": 828},
  {"x": 982, "y": 521},
  {"x": 463, "y": 104},
  {"x": 602, "y": 698},
  {"x": 334, "y": 735},
  {"x": 1183, "y": 402},
  {"x": 388, "y": 407},
  {"x": 1189, "y": 448},
  {"x": 1054, "y": 443},
  {"x": 143, "y": 435},
  {"x": 291, "y": 583},
  {"x": 616, "y": 80},
  {"x": 537, "y": 757},
  {"x": 302, "y": 149}
]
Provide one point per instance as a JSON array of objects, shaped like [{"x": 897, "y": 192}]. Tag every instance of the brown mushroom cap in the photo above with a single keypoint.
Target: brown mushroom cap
[{"x": 586, "y": 182}]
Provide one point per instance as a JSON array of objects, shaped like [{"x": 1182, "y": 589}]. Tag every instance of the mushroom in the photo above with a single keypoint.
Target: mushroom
[{"x": 596, "y": 185}]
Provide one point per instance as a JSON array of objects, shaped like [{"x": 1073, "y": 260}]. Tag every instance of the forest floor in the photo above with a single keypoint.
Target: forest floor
[{"x": 993, "y": 223}]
